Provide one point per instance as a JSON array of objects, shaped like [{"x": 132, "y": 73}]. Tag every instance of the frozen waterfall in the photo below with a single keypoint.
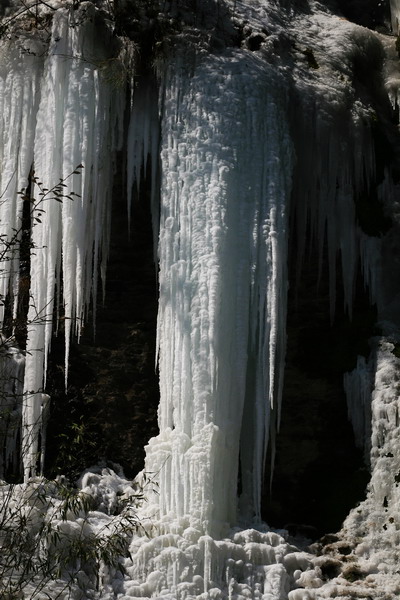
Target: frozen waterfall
[{"x": 257, "y": 148}]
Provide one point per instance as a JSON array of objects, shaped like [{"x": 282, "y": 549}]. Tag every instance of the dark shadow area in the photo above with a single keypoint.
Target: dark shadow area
[
  {"x": 368, "y": 13},
  {"x": 319, "y": 474},
  {"x": 110, "y": 409}
]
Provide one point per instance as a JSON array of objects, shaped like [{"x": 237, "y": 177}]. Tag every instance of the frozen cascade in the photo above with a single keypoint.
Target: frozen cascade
[
  {"x": 226, "y": 164},
  {"x": 343, "y": 168},
  {"x": 226, "y": 178}
]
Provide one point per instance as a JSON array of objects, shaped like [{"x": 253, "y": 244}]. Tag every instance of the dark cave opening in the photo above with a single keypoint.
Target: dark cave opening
[{"x": 319, "y": 473}]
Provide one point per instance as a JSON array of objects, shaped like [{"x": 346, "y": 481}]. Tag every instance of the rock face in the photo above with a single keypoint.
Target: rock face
[{"x": 319, "y": 473}]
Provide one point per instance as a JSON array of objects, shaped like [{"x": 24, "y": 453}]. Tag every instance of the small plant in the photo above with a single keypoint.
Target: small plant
[{"x": 52, "y": 543}]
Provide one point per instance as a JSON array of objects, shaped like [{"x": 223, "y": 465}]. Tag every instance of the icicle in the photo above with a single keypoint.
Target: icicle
[
  {"x": 19, "y": 94},
  {"x": 143, "y": 144},
  {"x": 11, "y": 382}
]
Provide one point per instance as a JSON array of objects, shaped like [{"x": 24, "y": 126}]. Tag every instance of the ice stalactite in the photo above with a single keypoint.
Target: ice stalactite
[
  {"x": 342, "y": 169},
  {"x": 226, "y": 176},
  {"x": 63, "y": 113},
  {"x": 143, "y": 146}
]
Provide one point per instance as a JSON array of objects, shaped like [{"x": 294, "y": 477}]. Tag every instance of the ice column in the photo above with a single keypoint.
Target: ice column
[{"x": 226, "y": 174}]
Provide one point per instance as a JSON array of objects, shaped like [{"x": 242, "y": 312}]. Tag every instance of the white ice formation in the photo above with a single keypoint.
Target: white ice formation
[
  {"x": 237, "y": 142},
  {"x": 222, "y": 248},
  {"x": 57, "y": 117}
]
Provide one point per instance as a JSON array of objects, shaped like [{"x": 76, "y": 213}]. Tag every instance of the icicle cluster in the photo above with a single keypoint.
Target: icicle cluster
[
  {"x": 336, "y": 162},
  {"x": 341, "y": 171},
  {"x": 59, "y": 116},
  {"x": 20, "y": 76},
  {"x": 143, "y": 147},
  {"x": 76, "y": 125}
]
